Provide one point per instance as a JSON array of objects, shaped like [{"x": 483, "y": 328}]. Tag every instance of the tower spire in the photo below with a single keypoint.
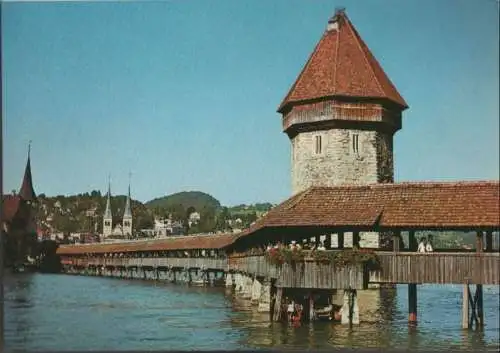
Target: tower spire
[
  {"x": 128, "y": 212},
  {"x": 107, "y": 213},
  {"x": 27, "y": 192}
]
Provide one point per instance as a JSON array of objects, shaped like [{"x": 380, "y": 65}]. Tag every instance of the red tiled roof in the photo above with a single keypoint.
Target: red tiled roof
[
  {"x": 420, "y": 205},
  {"x": 398, "y": 205},
  {"x": 10, "y": 206},
  {"x": 342, "y": 65},
  {"x": 172, "y": 243}
]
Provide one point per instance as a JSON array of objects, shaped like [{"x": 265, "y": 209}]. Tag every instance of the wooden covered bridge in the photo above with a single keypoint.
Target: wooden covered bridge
[{"x": 265, "y": 276}]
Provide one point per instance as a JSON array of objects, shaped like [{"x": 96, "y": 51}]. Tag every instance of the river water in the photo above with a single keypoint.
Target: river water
[{"x": 56, "y": 312}]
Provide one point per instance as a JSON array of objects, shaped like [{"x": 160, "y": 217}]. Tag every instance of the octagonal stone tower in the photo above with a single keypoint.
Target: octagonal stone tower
[{"x": 341, "y": 113}]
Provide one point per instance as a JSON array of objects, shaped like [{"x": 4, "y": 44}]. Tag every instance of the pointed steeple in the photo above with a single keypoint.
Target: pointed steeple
[
  {"x": 128, "y": 212},
  {"x": 107, "y": 213},
  {"x": 27, "y": 192}
]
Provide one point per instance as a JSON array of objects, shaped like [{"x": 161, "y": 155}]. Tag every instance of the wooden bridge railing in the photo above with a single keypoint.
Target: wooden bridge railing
[
  {"x": 307, "y": 274},
  {"x": 208, "y": 263},
  {"x": 442, "y": 268},
  {"x": 404, "y": 267}
]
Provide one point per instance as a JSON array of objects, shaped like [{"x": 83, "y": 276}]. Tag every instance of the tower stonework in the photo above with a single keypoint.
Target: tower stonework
[
  {"x": 339, "y": 161},
  {"x": 341, "y": 114}
]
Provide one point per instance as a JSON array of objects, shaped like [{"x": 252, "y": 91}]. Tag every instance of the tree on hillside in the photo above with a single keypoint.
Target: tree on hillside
[
  {"x": 221, "y": 219},
  {"x": 190, "y": 210}
]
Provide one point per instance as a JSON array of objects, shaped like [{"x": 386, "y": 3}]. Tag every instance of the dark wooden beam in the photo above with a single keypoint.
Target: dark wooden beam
[
  {"x": 355, "y": 239},
  {"x": 479, "y": 241},
  {"x": 489, "y": 241},
  {"x": 396, "y": 237},
  {"x": 340, "y": 241}
]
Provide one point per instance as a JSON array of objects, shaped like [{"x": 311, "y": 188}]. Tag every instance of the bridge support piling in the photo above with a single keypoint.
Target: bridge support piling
[
  {"x": 247, "y": 287},
  {"x": 265, "y": 297},
  {"x": 479, "y": 305},
  {"x": 311, "y": 307},
  {"x": 465, "y": 307},
  {"x": 412, "y": 304},
  {"x": 256, "y": 290},
  {"x": 472, "y": 307},
  {"x": 350, "y": 309},
  {"x": 412, "y": 287},
  {"x": 277, "y": 304},
  {"x": 229, "y": 279}
]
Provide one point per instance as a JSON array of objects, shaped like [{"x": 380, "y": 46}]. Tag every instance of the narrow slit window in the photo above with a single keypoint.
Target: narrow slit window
[
  {"x": 355, "y": 143},
  {"x": 317, "y": 143}
]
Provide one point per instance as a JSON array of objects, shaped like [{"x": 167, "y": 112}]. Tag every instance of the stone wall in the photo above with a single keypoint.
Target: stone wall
[{"x": 338, "y": 162}]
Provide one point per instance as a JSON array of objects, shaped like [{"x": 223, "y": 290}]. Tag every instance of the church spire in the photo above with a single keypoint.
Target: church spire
[
  {"x": 128, "y": 212},
  {"x": 27, "y": 192},
  {"x": 107, "y": 212}
]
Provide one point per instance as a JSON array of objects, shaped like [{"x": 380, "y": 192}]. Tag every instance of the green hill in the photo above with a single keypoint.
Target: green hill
[{"x": 184, "y": 201}]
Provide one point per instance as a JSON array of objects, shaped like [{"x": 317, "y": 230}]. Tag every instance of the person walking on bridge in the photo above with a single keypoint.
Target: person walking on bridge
[{"x": 421, "y": 245}]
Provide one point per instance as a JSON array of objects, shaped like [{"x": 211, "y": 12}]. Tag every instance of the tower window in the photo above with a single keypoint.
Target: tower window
[
  {"x": 317, "y": 144},
  {"x": 355, "y": 143},
  {"x": 107, "y": 223}
]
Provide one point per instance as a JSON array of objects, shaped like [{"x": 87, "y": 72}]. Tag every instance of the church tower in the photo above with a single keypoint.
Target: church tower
[
  {"x": 107, "y": 226},
  {"x": 127, "y": 216},
  {"x": 341, "y": 113},
  {"x": 27, "y": 194}
]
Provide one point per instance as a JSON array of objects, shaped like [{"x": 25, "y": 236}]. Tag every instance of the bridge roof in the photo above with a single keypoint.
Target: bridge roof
[
  {"x": 171, "y": 243},
  {"x": 409, "y": 205},
  {"x": 448, "y": 205}
]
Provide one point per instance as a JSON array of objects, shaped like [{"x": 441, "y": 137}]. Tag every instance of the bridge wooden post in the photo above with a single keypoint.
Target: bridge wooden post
[
  {"x": 396, "y": 236},
  {"x": 340, "y": 241},
  {"x": 412, "y": 287},
  {"x": 479, "y": 287},
  {"x": 355, "y": 239},
  {"x": 479, "y": 242}
]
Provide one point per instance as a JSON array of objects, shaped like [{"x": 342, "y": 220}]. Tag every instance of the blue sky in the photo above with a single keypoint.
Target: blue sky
[{"x": 184, "y": 93}]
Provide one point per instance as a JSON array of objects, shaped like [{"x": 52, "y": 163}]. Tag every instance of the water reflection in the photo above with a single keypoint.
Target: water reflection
[{"x": 59, "y": 312}]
